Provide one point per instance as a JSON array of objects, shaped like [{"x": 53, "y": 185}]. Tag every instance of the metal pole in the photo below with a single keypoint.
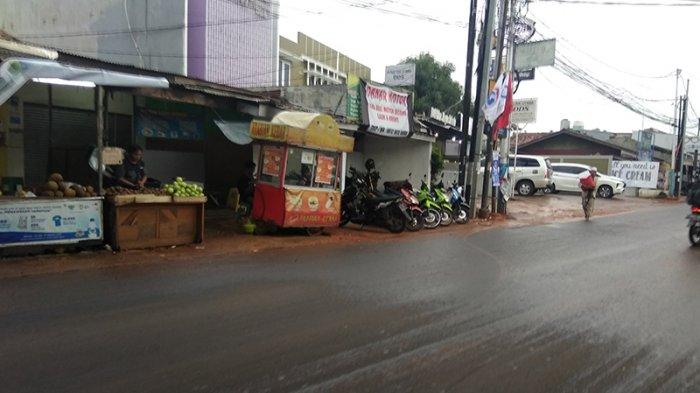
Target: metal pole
[
  {"x": 467, "y": 98},
  {"x": 100, "y": 109},
  {"x": 482, "y": 91},
  {"x": 676, "y": 120}
]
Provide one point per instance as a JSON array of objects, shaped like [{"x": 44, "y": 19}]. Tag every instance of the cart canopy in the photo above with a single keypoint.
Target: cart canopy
[{"x": 303, "y": 129}]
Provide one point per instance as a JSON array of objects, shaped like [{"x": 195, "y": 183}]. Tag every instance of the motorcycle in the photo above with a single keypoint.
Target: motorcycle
[
  {"x": 694, "y": 225},
  {"x": 360, "y": 205},
  {"x": 431, "y": 210},
  {"x": 460, "y": 208},
  {"x": 446, "y": 211},
  {"x": 404, "y": 188}
]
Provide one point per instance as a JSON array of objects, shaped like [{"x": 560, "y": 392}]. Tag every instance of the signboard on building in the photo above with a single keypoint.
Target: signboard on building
[
  {"x": 526, "y": 75},
  {"x": 438, "y": 115},
  {"x": 641, "y": 174},
  {"x": 169, "y": 124},
  {"x": 386, "y": 112},
  {"x": 44, "y": 221},
  {"x": 400, "y": 75},
  {"x": 524, "y": 111},
  {"x": 354, "y": 100},
  {"x": 534, "y": 54}
]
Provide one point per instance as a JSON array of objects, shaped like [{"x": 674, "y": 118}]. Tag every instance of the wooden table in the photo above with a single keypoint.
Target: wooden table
[{"x": 138, "y": 225}]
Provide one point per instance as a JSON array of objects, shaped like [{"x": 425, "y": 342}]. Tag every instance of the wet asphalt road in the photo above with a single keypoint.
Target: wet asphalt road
[{"x": 611, "y": 305}]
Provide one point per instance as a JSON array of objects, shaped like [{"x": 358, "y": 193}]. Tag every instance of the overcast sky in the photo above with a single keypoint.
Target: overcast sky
[{"x": 620, "y": 45}]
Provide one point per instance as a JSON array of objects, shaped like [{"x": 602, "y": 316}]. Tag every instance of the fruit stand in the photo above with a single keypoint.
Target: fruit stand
[
  {"x": 299, "y": 167},
  {"x": 171, "y": 216},
  {"x": 63, "y": 214}
]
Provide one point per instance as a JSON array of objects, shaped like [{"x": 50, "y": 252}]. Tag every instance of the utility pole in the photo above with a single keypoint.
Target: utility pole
[
  {"x": 482, "y": 91},
  {"x": 680, "y": 159},
  {"x": 676, "y": 128},
  {"x": 467, "y": 98},
  {"x": 499, "y": 69}
]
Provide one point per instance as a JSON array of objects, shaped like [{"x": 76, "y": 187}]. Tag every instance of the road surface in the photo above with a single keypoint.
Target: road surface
[{"x": 610, "y": 305}]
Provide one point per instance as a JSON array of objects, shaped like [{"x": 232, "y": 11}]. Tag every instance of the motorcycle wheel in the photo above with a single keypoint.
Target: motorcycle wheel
[
  {"x": 461, "y": 216},
  {"x": 694, "y": 235},
  {"x": 431, "y": 218},
  {"x": 395, "y": 221},
  {"x": 445, "y": 217},
  {"x": 344, "y": 218},
  {"x": 415, "y": 223}
]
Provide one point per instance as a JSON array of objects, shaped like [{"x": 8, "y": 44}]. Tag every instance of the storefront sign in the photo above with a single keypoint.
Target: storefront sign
[
  {"x": 156, "y": 123},
  {"x": 44, "y": 221},
  {"x": 273, "y": 157},
  {"x": 388, "y": 112},
  {"x": 524, "y": 111},
  {"x": 526, "y": 75},
  {"x": 443, "y": 117},
  {"x": 268, "y": 131},
  {"x": 112, "y": 156},
  {"x": 642, "y": 174},
  {"x": 535, "y": 54},
  {"x": 354, "y": 99},
  {"x": 306, "y": 208},
  {"x": 325, "y": 169},
  {"x": 400, "y": 75}
]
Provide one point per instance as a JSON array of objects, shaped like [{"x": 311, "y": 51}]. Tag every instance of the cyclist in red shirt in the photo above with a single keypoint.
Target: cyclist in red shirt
[{"x": 587, "y": 182}]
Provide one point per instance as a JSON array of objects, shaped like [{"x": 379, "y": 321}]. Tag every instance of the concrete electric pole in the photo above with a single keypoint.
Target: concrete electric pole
[{"x": 482, "y": 91}]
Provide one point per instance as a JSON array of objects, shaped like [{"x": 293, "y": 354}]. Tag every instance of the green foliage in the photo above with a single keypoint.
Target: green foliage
[
  {"x": 437, "y": 161},
  {"x": 434, "y": 85}
]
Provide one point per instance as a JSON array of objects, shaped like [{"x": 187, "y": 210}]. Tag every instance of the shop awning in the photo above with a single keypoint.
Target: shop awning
[
  {"x": 237, "y": 132},
  {"x": 16, "y": 72}
]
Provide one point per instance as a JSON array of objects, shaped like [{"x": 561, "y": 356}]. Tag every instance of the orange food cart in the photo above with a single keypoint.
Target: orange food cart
[{"x": 299, "y": 168}]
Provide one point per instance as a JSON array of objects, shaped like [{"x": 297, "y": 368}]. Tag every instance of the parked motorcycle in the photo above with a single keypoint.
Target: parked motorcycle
[
  {"x": 446, "y": 211},
  {"x": 460, "y": 208},
  {"x": 415, "y": 221},
  {"x": 431, "y": 209},
  {"x": 360, "y": 205},
  {"x": 694, "y": 225}
]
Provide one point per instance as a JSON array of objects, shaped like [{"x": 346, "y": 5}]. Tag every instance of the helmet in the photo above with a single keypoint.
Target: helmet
[{"x": 369, "y": 164}]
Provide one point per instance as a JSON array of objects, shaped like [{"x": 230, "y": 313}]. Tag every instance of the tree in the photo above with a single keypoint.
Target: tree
[{"x": 434, "y": 85}]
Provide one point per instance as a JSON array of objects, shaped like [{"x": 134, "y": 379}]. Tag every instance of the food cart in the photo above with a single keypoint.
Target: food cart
[{"x": 299, "y": 168}]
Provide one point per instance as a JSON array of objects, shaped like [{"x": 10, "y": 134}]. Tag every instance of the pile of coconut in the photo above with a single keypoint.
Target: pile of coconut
[{"x": 55, "y": 187}]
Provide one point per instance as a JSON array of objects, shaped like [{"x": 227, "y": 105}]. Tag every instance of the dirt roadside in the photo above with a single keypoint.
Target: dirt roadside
[{"x": 222, "y": 240}]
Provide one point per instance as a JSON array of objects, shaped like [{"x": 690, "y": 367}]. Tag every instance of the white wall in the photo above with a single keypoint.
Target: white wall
[{"x": 394, "y": 158}]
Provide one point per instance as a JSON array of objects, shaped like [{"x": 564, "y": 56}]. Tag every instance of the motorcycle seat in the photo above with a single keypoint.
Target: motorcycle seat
[{"x": 384, "y": 198}]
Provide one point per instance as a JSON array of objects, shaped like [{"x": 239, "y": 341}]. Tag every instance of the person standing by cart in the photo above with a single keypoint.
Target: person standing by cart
[{"x": 587, "y": 182}]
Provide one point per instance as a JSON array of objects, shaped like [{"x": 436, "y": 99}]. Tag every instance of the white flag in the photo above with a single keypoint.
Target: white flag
[{"x": 496, "y": 101}]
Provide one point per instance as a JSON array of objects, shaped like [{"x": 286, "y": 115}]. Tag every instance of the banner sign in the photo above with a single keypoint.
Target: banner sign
[
  {"x": 306, "y": 208},
  {"x": 156, "y": 123},
  {"x": 642, "y": 174},
  {"x": 386, "y": 112},
  {"x": 50, "y": 221},
  {"x": 526, "y": 75},
  {"x": 400, "y": 75},
  {"x": 534, "y": 54}
]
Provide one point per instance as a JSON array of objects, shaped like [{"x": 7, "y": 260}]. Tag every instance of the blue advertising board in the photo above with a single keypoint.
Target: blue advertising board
[
  {"x": 36, "y": 221},
  {"x": 176, "y": 124}
]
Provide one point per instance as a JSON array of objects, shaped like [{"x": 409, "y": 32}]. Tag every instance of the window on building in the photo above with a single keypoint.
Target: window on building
[{"x": 285, "y": 73}]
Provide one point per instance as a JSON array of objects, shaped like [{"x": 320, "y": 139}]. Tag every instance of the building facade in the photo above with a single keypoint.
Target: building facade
[
  {"x": 308, "y": 62},
  {"x": 232, "y": 42}
]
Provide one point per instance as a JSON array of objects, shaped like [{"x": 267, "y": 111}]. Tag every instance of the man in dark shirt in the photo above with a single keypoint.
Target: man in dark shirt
[
  {"x": 132, "y": 172},
  {"x": 246, "y": 183}
]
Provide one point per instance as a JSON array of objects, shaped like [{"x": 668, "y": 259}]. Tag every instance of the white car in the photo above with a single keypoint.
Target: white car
[
  {"x": 529, "y": 174},
  {"x": 566, "y": 178}
]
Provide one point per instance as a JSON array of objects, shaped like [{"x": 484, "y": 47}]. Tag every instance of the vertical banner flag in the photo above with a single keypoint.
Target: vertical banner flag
[
  {"x": 496, "y": 101},
  {"x": 503, "y": 120}
]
